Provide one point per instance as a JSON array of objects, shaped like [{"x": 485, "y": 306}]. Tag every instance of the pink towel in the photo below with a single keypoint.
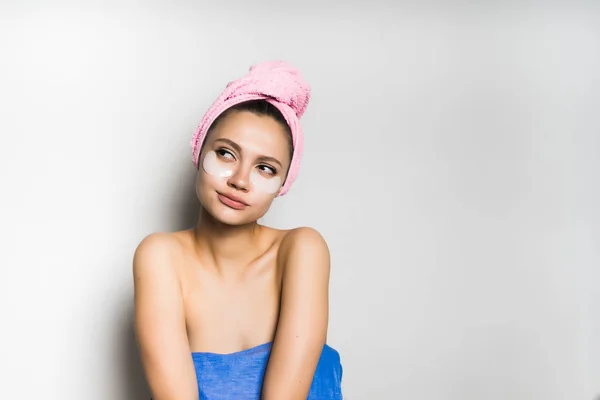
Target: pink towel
[{"x": 276, "y": 82}]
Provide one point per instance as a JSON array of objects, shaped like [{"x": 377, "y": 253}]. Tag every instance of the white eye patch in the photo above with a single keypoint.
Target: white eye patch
[
  {"x": 216, "y": 168},
  {"x": 264, "y": 184}
]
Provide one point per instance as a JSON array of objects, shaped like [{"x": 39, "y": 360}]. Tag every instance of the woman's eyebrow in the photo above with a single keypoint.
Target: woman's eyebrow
[
  {"x": 270, "y": 159},
  {"x": 237, "y": 148},
  {"x": 230, "y": 142}
]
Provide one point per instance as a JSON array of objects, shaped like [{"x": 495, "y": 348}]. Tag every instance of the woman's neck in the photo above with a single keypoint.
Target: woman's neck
[{"x": 225, "y": 246}]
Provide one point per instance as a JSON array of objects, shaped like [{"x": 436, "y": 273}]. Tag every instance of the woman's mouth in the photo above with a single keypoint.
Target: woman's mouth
[{"x": 232, "y": 201}]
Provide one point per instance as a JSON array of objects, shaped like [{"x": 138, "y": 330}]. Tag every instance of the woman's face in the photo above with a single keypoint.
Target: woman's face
[{"x": 242, "y": 167}]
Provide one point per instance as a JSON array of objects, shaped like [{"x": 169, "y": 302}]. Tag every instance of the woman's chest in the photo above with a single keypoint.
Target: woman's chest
[{"x": 228, "y": 315}]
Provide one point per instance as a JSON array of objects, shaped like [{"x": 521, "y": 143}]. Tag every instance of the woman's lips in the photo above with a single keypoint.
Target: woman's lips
[{"x": 232, "y": 201}]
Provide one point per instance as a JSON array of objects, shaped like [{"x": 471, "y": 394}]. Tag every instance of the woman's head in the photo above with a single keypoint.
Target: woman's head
[
  {"x": 249, "y": 143},
  {"x": 244, "y": 162}
]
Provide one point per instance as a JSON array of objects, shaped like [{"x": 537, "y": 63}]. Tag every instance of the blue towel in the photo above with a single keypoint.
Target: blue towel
[{"x": 239, "y": 376}]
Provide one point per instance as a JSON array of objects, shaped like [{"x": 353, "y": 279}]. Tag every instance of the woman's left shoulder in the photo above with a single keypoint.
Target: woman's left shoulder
[
  {"x": 304, "y": 242},
  {"x": 303, "y": 235}
]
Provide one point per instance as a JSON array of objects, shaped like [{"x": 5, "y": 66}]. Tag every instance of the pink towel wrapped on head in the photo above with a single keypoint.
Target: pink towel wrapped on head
[{"x": 276, "y": 82}]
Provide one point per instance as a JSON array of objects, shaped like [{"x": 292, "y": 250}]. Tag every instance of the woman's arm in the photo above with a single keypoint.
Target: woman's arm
[
  {"x": 302, "y": 327},
  {"x": 160, "y": 321}
]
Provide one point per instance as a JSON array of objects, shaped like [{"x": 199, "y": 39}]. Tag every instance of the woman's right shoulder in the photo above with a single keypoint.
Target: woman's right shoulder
[{"x": 156, "y": 252}]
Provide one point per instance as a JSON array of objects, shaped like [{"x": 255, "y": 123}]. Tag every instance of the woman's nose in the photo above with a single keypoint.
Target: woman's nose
[{"x": 240, "y": 179}]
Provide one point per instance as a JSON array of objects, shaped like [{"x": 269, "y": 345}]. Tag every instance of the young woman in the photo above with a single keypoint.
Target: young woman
[{"x": 232, "y": 309}]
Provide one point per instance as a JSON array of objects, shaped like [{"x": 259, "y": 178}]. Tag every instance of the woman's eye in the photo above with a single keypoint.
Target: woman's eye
[
  {"x": 225, "y": 154},
  {"x": 268, "y": 170}
]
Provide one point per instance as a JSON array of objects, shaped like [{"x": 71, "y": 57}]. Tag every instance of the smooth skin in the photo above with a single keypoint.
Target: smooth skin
[{"x": 229, "y": 283}]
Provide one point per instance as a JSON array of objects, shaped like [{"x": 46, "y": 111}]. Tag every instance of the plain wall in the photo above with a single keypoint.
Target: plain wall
[{"x": 452, "y": 162}]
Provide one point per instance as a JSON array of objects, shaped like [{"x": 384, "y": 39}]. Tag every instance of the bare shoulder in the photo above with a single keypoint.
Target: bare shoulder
[
  {"x": 306, "y": 244},
  {"x": 303, "y": 236},
  {"x": 154, "y": 253}
]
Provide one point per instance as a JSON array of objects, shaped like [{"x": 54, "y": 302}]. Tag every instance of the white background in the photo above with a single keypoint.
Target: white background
[{"x": 452, "y": 163}]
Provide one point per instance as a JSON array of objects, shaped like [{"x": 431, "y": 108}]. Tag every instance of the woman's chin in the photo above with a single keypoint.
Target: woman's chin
[
  {"x": 233, "y": 221},
  {"x": 228, "y": 216}
]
